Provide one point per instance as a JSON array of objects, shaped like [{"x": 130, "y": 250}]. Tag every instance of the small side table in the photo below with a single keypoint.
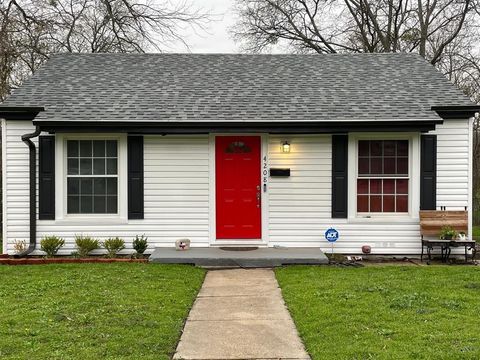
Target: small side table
[
  {"x": 430, "y": 244},
  {"x": 468, "y": 244}
]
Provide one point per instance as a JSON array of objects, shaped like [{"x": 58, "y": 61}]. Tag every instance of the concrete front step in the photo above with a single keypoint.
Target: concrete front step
[{"x": 261, "y": 257}]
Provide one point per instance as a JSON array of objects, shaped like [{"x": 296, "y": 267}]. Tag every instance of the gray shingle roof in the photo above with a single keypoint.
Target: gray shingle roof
[{"x": 235, "y": 87}]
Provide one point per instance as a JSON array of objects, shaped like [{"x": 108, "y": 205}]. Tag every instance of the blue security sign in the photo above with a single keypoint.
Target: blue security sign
[{"x": 331, "y": 235}]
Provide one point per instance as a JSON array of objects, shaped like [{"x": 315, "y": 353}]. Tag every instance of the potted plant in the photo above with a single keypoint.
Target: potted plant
[{"x": 448, "y": 233}]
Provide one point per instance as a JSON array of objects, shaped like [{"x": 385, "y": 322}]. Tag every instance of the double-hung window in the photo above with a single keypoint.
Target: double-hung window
[
  {"x": 382, "y": 176},
  {"x": 92, "y": 176}
]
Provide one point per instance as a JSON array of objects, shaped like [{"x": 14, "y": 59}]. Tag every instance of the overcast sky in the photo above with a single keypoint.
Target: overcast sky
[{"x": 216, "y": 39}]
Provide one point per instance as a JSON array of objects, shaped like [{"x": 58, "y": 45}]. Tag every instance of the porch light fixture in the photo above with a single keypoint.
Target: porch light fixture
[{"x": 286, "y": 147}]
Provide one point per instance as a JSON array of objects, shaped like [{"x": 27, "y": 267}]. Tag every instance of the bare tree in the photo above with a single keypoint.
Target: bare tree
[
  {"x": 327, "y": 26},
  {"x": 32, "y": 30}
]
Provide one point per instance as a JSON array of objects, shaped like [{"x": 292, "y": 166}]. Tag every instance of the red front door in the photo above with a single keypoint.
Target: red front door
[{"x": 238, "y": 191}]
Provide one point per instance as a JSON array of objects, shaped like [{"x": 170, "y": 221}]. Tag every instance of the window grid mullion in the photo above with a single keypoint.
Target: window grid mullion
[
  {"x": 103, "y": 197},
  {"x": 380, "y": 178}
]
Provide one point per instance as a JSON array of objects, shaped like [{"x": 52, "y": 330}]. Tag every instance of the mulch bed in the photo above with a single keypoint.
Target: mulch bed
[{"x": 42, "y": 261}]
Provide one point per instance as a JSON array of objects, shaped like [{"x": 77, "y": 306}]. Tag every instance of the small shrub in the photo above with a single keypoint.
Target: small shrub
[
  {"x": 85, "y": 244},
  {"x": 51, "y": 244},
  {"x": 113, "y": 246},
  {"x": 140, "y": 244},
  {"x": 19, "y": 246}
]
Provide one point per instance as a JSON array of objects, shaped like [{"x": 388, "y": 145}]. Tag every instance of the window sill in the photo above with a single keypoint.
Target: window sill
[
  {"x": 90, "y": 220},
  {"x": 403, "y": 219}
]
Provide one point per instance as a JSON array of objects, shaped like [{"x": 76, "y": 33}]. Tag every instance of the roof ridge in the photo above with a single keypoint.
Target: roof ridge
[{"x": 239, "y": 54}]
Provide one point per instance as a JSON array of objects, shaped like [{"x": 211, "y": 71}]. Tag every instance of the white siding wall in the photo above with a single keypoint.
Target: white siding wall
[
  {"x": 300, "y": 204},
  {"x": 453, "y": 164},
  {"x": 15, "y": 183},
  {"x": 177, "y": 194}
]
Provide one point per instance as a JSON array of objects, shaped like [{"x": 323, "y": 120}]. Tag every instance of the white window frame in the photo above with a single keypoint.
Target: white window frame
[
  {"x": 61, "y": 214},
  {"x": 413, "y": 177}
]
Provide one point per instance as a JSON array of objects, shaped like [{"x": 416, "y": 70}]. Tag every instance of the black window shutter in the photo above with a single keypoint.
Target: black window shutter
[
  {"x": 339, "y": 176},
  {"x": 428, "y": 172},
  {"x": 135, "y": 177},
  {"x": 46, "y": 178}
]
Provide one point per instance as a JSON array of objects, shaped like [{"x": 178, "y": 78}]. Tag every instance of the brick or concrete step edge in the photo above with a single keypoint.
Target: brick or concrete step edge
[
  {"x": 246, "y": 263},
  {"x": 36, "y": 261}
]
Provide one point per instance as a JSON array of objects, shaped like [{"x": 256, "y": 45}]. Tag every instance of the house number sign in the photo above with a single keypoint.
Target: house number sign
[{"x": 265, "y": 173}]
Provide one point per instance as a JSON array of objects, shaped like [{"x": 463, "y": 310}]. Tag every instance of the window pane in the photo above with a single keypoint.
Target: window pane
[
  {"x": 389, "y": 203},
  {"x": 73, "y": 205},
  {"x": 362, "y": 186},
  {"x": 376, "y": 166},
  {"x": 73, "y": 186},
  {"x": 72, "y": 166},
  {"x": 363, "y": 166},
  {"x": 362, "y": 203},
  {"x": 99, "y": 204},
  {"x": 376, "y": 148},
  {"x": 111, "y": 166},
  {"x": 86, "y": 204},
  {"x": 111, "y": 204},
  {"x": 72, "y": 148},
  {"x": 99, "y": 148},
  {"x": 111, "y": 148},
  {"x": 363, "y": 148},
  {"x": 402, "y": 186},
  {"x": 85, "y": 148},
  {"x": 402, "y": 148},
  {"x": 388, "y": 186},
  {"x": 375, "y": 203},
  {"x": 389, "y": 165},
  {"x": 100, "y": 186},
  {"x": 86, "y": 166},
  {"x": 402, "y": 203},
  {"x": 112, "y": 186},
  {"x": 402, "y": 166},
  {"x": 375, "y": 186},
  {"x": 86, "y": 186},
  {"x": 98, "y": 166},
  {"x": 389, "y": 148}
]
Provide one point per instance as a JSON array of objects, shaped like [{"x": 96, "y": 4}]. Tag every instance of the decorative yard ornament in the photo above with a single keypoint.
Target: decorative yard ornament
[
  {"x": 366, "y": 249},
  {"x": 182, "y": 244}
]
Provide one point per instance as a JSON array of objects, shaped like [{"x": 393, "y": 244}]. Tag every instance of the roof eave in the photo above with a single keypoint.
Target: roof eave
[
  {"x": 20, "y": 112},
  {"x": 456, "y": 112},
  {"x": 231, "y": 127}
]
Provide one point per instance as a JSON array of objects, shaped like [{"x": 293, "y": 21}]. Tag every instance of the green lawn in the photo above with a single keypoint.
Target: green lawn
[
  {"x": 476, "y": 233},
  {"x": 94, "y": 311},
  {"x": 389, "y": 312}
]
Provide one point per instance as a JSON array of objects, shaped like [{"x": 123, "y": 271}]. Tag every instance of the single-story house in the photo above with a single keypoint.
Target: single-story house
[{"x": 229, "y": 149}]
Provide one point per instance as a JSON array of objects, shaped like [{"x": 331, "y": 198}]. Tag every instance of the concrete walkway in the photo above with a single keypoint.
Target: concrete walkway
[{"x": 240, "y": 314}]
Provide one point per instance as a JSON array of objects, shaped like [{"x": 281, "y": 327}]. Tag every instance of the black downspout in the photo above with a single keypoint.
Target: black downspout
[{"x": 33, "y": 191}]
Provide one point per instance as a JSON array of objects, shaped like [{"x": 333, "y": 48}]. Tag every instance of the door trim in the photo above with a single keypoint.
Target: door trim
[{"x": 264, "y": 161}]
